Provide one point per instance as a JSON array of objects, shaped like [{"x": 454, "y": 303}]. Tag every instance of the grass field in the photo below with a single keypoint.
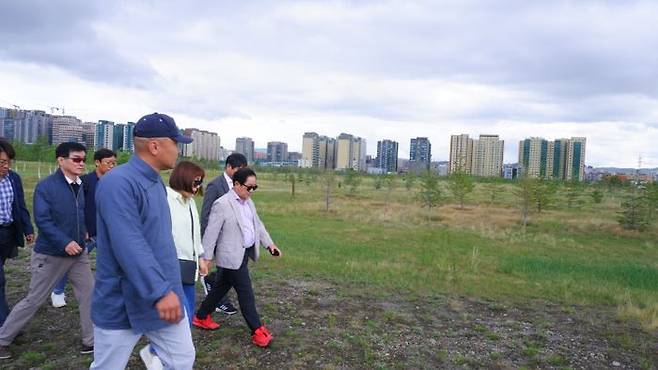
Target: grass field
[{"x": 379, "y": 253}]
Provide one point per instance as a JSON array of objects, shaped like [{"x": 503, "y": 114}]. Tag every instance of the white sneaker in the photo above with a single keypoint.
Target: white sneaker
[
  {"x": 58, "y": 300},
  {"x": 151, "y": 361}
]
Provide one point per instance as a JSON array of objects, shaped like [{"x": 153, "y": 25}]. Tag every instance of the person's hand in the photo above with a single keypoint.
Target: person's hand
[
  {"x": 203, "y": 267},
  {"x": 30, "y": 238},
  {"x": 274, "y": 251},
  {"x": 169, "y": 308},
  {"x": 73, "y": 249}
]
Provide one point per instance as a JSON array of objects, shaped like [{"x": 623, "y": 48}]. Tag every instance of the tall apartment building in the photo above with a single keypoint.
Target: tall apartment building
[
  {"x": 482, "y": 157},
  {"x": 318, "y": 151},
  {"x": 309, "y": 150},
  {"x": 461, "y": 153},
  {"x": 277, "y": 151},
  {"x": 387, "y": 156},
  {"x": 117, "y": 138},
  {"x": 420, "y": 154},
  {"x": 205, "y": 144},
  {"x": 488, "y": 156},
  {"x": 4, "y": 112},
  {"x": 562, "y": 159},
  {"x": 34, "y": 124},
  {"x": 245, "y": 145},
  {"x": 575, "y": 159},
  {"x": 533, "y": 157},
  {"x": 70, "y": 128},
  {"x": 11, "y": 118},
  {"x": 104, "y": 134},
  {"x": 128, "y": 144},
  {"x": 350, "y": 152}
]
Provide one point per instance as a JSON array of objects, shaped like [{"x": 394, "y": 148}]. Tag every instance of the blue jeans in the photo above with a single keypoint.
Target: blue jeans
[
  {"x": 61, "y": 285},
  {"x": 190, "y": 300}
]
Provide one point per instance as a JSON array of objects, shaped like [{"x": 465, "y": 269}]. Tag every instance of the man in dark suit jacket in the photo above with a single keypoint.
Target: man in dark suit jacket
[
  {"x": 15, "y": 223},
  {"x": 219, "y": 186}
]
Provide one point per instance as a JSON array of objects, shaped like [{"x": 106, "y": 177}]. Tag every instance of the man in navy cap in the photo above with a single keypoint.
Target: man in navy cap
[{"x": 138, "y": 286}]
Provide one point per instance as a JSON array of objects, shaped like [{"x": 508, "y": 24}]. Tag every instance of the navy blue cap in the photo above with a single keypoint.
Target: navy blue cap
[{"x": 159, "y": 125}]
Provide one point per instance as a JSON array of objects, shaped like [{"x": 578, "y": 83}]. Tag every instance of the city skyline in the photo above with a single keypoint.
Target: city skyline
[{"x": 391, "y": 70}]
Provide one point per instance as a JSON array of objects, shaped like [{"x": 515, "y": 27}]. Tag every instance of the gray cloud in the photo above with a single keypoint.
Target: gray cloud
[{"x": 62, "y": 34}]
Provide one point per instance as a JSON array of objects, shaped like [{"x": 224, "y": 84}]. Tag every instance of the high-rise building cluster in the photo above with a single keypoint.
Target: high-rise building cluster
[
  {"x": 482, "y": 157},
  {"x": 345, "y": 152},
  {"x": 27, "y": 126},
  {"x": 205, "y": 144},
  {"x": 115, "y": 136},
  {"x": 561, "y": 159}
]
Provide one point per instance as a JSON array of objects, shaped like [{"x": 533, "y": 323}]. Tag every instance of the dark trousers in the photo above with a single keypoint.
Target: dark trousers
[
  {"x": 240, "y": 281},
  {"x": 7, "y": 241}
]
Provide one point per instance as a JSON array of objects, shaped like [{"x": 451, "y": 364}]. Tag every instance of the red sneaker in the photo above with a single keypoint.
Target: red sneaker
[
  {"x": 262, "y": 337},
  {"x": 206, "y": 323}
]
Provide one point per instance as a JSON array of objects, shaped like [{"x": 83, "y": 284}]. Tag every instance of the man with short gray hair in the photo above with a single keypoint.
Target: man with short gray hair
[{"x": 138, "y": 282}]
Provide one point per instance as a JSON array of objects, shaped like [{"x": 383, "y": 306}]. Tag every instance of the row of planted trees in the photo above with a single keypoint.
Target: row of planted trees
[{"x": 638, "y": 203}]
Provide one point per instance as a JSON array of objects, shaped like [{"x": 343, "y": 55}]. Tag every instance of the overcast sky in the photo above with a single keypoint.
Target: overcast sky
[{"x": 273, "y": 70}]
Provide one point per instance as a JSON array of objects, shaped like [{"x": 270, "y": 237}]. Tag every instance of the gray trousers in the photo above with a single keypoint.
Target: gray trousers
[{"x": 46, "y": 272}]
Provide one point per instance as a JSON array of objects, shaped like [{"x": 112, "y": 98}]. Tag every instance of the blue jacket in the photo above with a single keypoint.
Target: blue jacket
[
  {"x": 89, "y": 182},
  {"x": 58, "y": 214},
  {"x": 19, "y": 213},
  {"x": 136, "y": 261}
]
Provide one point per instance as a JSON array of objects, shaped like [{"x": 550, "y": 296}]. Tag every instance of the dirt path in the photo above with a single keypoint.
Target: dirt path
[{"x": 320, "y": 325}]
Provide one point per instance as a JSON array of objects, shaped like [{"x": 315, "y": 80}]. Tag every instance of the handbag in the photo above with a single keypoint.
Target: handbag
[{"x": 187, "y": 267}]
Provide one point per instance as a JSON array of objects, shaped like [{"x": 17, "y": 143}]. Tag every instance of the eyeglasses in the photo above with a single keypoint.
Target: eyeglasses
[
  {"x": 78, "y": 159},
  {"x": 5, "y": 162},
  {"x": 109, "y": 163},
  {"x": 198, "y": 182},
  {"x": 251, "y": 188}
]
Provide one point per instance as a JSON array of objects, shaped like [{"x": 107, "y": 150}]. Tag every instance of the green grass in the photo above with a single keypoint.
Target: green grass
[{"x": 382, "y": 241}]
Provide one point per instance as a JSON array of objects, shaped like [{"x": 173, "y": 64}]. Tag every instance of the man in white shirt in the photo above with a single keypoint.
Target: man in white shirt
[{"x": 219, "y": 186}]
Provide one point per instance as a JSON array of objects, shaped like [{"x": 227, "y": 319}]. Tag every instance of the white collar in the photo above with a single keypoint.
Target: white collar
[
  {"x": 77, "y": 180},
  {"x": 229, "y": 181}
]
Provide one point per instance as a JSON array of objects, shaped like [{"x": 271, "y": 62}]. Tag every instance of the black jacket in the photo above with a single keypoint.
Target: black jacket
[{"x": 20, "y": 214}]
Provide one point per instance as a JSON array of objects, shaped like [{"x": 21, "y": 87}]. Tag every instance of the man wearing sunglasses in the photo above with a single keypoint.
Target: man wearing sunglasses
[
  {"x": 219, "y": 186},
  {"x": 104, "y": 159},
  {"x": 59, "y": 213},
  {"x": 234, "y": 234}
]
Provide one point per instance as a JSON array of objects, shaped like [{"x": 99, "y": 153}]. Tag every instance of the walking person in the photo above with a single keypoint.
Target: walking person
[
  {"x": 233, "y": 235},
  {"x": 185, "y": 181},
  {"x": 138, "y": 281},
  {"x": 219, "y": 186},
  {"x": 15, "y": 222},
  {"x": 104, "y": 159},
  {"x": 59, "y": 249}
]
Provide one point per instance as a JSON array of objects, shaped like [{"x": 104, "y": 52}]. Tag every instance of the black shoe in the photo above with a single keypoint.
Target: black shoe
[
  {"x": 4, "y": 353},
  {"x": 227, "y": 309},
  {"x": 84, "y": 350}
]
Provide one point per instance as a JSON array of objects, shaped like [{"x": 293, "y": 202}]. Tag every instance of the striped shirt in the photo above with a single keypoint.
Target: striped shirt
[{"x": 6, "y": 199}]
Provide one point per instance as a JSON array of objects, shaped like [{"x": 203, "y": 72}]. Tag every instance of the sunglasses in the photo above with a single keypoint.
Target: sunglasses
[
  {"x": 251, "y": 188},
  {"x": 197, "y": 182},
  {"x": 78, "y": 159}
]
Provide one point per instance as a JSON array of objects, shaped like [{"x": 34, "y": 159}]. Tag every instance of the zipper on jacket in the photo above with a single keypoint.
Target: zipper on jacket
[{"x": 77, "y": 211}]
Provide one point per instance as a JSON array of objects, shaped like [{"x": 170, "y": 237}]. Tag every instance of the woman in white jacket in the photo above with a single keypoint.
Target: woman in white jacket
[{"x": 185, "y": 182}]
